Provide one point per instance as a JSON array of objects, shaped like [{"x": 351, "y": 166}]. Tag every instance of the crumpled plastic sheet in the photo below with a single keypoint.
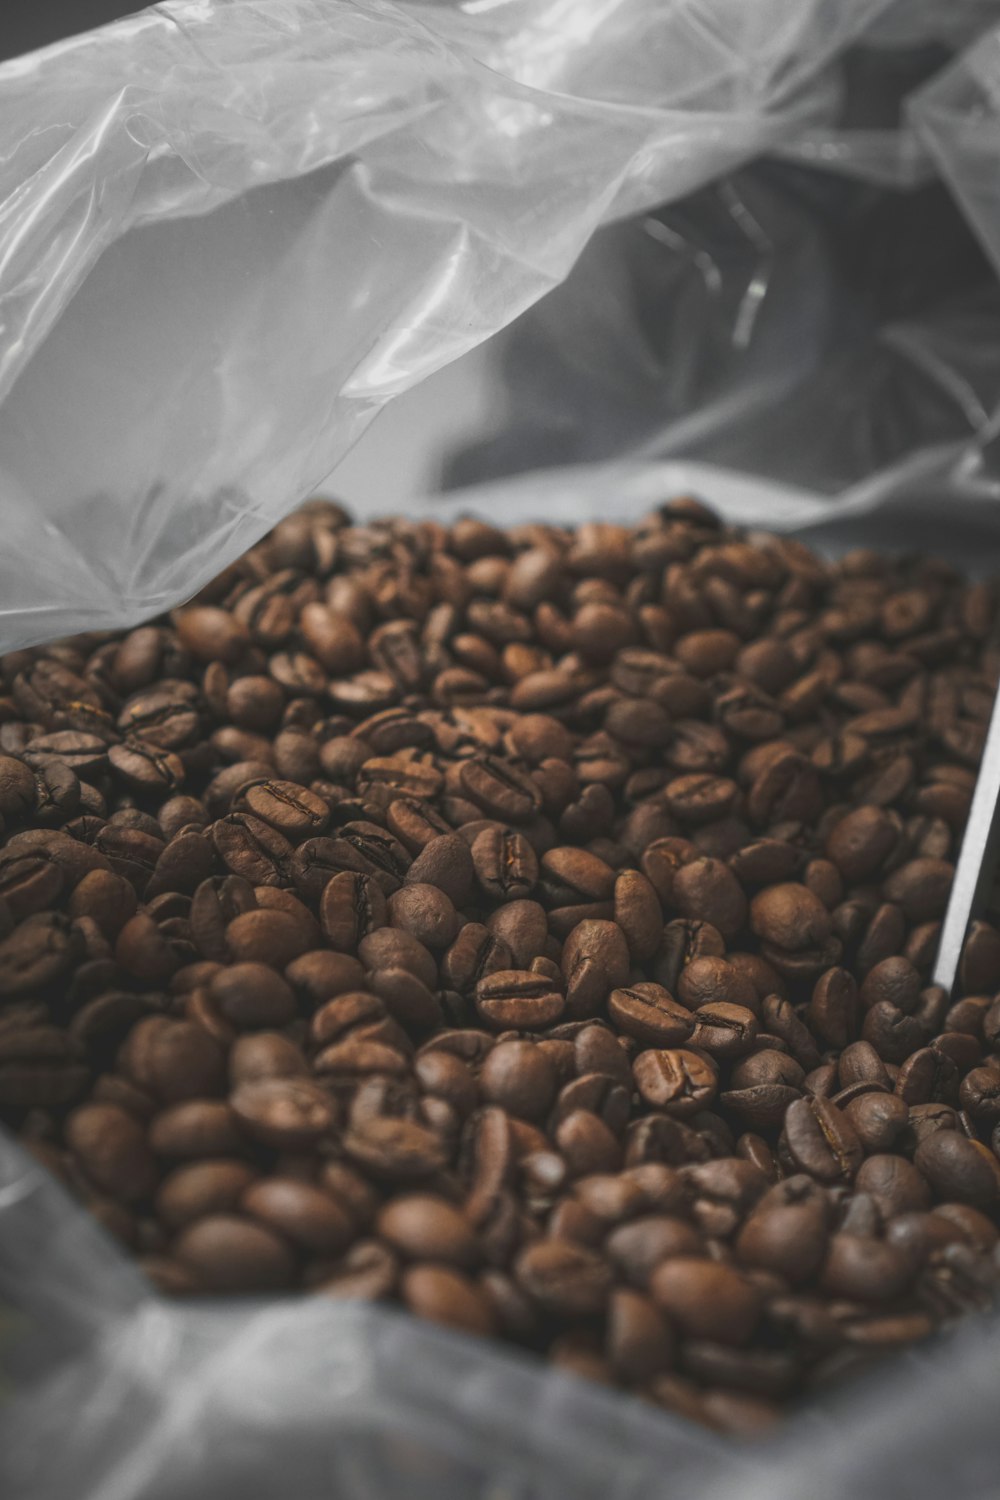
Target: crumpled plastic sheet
[
  {"x": 230, "y": 232},
  {"x": 108, "y": 1392},
  {"x": 811, "y": 326}
]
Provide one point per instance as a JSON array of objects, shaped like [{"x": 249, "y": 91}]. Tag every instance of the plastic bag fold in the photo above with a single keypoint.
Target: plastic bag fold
[{"x": 230, "y": 232}]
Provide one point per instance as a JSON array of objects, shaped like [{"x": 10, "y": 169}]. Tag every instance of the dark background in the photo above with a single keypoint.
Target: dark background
[{"x": 28, "y": 24}]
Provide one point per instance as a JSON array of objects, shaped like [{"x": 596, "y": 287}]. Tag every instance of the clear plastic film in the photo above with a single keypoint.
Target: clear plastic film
[{"x": 229, "y": 233}]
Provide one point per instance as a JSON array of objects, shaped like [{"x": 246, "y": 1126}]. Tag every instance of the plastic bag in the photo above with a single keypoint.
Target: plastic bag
[{"x": 230, "y": 232}]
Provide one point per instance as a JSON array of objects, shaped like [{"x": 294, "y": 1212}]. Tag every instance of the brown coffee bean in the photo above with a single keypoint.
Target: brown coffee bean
[
  {"x": 367, "y": 1273},
  {"x": 351, "y": 907},
  {"x": 706, "y": 1299},
  {"x": 523, "y": 926},
  {"x": 300, "y": 1212},
  {"x": 194, "y": 1129},
  {"x": 293, "y": 810},
  {"x": 790, "y": 917},
  {"x": 174, "y": 1060},
  {"x": 563, "y": 1277},
  {"x": 506, "y": 866},
  {"x": 17, "y": 789},
  {"x": 518, "y": 999},
  {"x": 675, "y": 1080},
  {"x": 865, "y": 1270},
  {"x": 861, "y": 842},
  {"x": 834, "y": 1011},
  {"x": 446, "y": 1296},
  {"x": 110, "y": 1147},
  {"x": 638, "y": 1247},
  {"x": 724, "y": 1031},
  {"x": 229, "y": 1253},
  {"x": 639, "y": 1342},
  {"x": 423, "y": 1227},
  {"x": 252, "y": 995},
  {"x": 706, "y": 890},
  {"x": 252, "y": 848},
  {"x": 821, "y": 1140},
  {"x": 519, "y": 1077},
  {"x": 878, "y": 1120},
  {"x": 283, "y": 1112},
  {"x": 959, "y": 1170},
  {"x": 637, "y": 912},
  {"x": 208, "y": 1187},
  {"x": 789, "y": 1240},
  {"x": 395, "y": 1149},
  {"x": 36, "y": 954},
  {"x": 595, "y": 960},
  {"x": 649, "y": 1013}
]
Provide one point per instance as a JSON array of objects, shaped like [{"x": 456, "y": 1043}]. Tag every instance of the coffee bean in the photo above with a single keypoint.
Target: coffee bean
[
  {"x": 555, "y": 860},
  {"x": 706, "y": 1299},
  {"x": 563, "y": 1278},
  {"x": 821, "y": 1140},
  {"x": 285, "y": 1112},
  {"x": 423, "y": 1227},
  {"x": 595, "y": 960},
  {"x": 724, "y": 1031},
  {"x": 213, "y": 1186},
  {"x": 351, "y": 907},
  {"x": 110, "y": 1147},
  {"x": 706, "y": 890},
  {"x": 300, "y": 1212},
  {"x": 638, "y": 1247},
  {"x": 229, "y": 1253},
  {"x": 446, "y": 1296},
  {"x": 252, "y": 995},
  {"x": 789, "y": 1240},
  {"x": 865, "y": 1270},
  {"x": 649, "y": 1013},
  {"x": 959, "y": 1170},
  {"x": 251, "y": 848},
  {"x": 675, "y": 1080},
  {"x": 518, "y": 999}
]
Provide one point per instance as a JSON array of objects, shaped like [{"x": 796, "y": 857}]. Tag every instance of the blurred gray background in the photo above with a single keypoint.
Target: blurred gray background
[{"x": 28, "y": 24}]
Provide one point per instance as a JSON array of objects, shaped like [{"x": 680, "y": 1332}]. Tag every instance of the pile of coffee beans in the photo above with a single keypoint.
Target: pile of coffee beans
[{"x": 533, "y": 928}]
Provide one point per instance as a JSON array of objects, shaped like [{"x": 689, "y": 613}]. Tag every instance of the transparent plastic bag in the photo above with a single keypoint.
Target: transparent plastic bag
[{"x": 230, "y": 232}]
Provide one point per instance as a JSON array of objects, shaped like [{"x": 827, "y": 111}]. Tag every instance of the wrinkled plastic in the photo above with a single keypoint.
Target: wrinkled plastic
[
  {"x": 230, "y": 232},
  {"x": 116, "y": 1394}
]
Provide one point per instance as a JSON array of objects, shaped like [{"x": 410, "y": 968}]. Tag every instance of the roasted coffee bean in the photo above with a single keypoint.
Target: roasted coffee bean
[
  {"x": 229, "y": 1253},
  {"x": 283, "y": 1112},
  {"x": 707, "y": 1300},
  {"x": 959, "y": 1170},
  {"x": 860, "y": 1269},
  {"x": 446, "y": 1296},
  {"x": 423, "y": 1227},
  {"x": 252, "y": 995},
  {"x": 302, "y": 1213},
  {"x": 518, "y": 999},
  {"x": 424, "y": 911},
  {"x": 677, "y": 1081},
  {"x": 821, "y": 1140},
  {"x": 213, "y": 1186},
  {"x": 649, "y": 1013},
  {"x": 789, "y": 1240},
  {"x": 351, "y": 907}
]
